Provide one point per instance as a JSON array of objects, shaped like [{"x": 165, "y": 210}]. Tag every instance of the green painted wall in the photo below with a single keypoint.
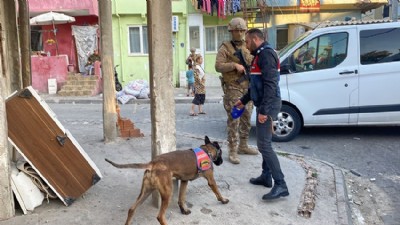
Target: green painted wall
[
  {"x": 179, "y": 52},
  {"x": 132, "y": 13},
  {"x": 127, "y": 13},
  {"x": 209, "y": 58},
  {"x": 208, "y": 20},
  {"x": 131, "y": 67}
]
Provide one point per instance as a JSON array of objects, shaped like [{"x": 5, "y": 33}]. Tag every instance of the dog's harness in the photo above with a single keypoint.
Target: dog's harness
[{"x": 203, "y": 160}]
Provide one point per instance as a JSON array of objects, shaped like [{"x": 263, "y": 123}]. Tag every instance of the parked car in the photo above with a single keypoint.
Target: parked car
[{"x": 352, "y": 78}]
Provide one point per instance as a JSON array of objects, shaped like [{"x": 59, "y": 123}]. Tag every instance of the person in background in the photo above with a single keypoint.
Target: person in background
[
  {"x": 308, "y": 61},
  {"x": 190, "y": 81},
  {"x": 199, "y": 87},
  {"x": 190, "y": 60},
  {"x": 235, "y": 84},
  {"x": 265, "y": 93},
  {"x": 91, "y": 60}
]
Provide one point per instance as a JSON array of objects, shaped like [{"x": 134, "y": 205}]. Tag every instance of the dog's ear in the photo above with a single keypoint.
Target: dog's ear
[
  {"x": 216, "y": 145},
  {"x": 207, "y": 140}
]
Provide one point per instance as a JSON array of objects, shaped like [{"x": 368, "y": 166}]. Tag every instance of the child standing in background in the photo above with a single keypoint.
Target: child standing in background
[
  {"x": 190, "y": 81},
  {"x": 199, "y": 87}
]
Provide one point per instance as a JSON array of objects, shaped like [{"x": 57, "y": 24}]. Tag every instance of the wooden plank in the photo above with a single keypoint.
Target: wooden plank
[{"x": 34, "y": 130}]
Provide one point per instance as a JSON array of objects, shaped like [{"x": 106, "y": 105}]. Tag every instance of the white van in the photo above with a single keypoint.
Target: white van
[{"x": 340, "y": 75}]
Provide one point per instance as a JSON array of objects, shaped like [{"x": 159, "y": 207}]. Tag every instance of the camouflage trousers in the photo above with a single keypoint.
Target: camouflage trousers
[{"x": 237, "y": 128}]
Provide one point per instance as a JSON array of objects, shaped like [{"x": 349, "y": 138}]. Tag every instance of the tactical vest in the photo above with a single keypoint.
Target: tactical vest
[
  {"x": 256, "y": 81},
  {"x": 230, "y": 78}
]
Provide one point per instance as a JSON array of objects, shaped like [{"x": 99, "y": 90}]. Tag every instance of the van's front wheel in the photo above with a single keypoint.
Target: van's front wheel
[{"x": 287, "y": 126}]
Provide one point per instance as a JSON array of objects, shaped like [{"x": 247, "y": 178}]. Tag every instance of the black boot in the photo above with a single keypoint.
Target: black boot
[
  {"x": 262, "y": 180},
  {"x": 276, "y": 192}
]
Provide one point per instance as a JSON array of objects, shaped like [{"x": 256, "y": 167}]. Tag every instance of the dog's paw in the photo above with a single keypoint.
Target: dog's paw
[
  {"x": 225, "y": 201},
  {"x": 185, "y": 211}
]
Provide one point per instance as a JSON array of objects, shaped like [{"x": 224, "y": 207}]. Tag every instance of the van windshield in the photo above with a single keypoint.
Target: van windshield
[{"x": 289, "y": 46}]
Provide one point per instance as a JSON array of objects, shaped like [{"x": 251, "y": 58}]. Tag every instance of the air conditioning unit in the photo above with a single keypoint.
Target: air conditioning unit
[{"x": 175, "y": 23}]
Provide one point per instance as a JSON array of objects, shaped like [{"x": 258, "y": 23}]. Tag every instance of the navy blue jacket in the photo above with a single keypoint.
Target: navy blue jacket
[{"x": 264, "y": 81}]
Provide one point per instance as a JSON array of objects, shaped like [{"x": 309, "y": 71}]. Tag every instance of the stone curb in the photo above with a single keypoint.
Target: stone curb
[
  {"x": 343, "y": 206},
  {"x": 63, "y": 100}
]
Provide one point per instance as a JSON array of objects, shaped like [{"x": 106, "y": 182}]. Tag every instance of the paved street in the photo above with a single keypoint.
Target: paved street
[{"x": 372, "y": 152}]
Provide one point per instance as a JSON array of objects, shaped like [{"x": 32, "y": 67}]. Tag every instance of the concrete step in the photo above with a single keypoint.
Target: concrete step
[
  {"x": 81, "y": 82},
  {"x": 79, "y": 85},
  {"x": 75, "y": 92},
  {"x": 79, "y": 76}
]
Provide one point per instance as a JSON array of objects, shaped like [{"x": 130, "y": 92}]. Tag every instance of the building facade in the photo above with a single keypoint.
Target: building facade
[
  {"x": 54, "y": 47},
  {"x": 203, "y": 27}
]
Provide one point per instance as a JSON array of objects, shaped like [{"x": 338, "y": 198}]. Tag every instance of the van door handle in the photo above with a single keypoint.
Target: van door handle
[{"x": 348, "y": 72}]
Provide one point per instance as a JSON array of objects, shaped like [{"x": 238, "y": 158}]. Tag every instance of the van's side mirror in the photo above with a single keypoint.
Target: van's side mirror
[
  {"x": 285, "y": 69},
  {"x": 288, "y": 66}
]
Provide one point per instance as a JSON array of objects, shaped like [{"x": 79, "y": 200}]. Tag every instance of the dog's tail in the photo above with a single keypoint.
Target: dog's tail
[{"x": 130, "y": 165}]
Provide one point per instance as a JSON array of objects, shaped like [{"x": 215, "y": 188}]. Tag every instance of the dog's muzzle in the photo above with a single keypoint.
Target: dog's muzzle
[{"x": 218, "y": 155}]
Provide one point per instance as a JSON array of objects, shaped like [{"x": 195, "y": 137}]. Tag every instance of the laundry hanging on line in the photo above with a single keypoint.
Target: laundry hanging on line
[{"x": 220, "y": 8}]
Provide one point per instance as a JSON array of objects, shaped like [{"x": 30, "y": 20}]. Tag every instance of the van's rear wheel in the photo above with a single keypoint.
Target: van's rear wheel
[{"x": 287, "y": 126}]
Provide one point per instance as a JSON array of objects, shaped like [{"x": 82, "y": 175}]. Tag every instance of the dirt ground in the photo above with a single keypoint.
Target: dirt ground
[{"x": 367, "y": 201}]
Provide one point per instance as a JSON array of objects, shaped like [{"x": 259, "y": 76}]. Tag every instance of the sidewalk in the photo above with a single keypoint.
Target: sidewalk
[
  {"x": 108, "y": 201},
  {"x": 213, "y": 95}
]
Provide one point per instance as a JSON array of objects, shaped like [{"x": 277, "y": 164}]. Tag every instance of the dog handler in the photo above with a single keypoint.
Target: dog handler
[
  {"x": 265, "y": 93},
  {"x": 234, "y": 86}
]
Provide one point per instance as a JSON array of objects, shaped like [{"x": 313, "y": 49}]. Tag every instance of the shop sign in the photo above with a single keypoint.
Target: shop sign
[{"x": 309, "y": 5}]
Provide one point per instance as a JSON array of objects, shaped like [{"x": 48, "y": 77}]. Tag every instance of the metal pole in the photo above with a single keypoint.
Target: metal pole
[
  {"x": 395, "y": 7},
  {"x": 55, "y": 37}
]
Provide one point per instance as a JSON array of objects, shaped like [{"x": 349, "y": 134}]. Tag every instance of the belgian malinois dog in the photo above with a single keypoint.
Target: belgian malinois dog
[{"x": 184, "y": 165}]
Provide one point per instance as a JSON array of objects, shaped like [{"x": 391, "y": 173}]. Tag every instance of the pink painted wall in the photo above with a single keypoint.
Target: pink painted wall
[
  {"x": 85, "y": 12},
  {"x": 46, "y": 68},
  {"x": 88, "y": 7},
  {"x": 66, "y": 44}
]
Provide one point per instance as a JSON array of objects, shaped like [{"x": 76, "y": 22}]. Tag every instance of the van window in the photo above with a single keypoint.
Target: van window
[
  {"x": 323, "y": 52},
  {"x": 379, "y": 46}
]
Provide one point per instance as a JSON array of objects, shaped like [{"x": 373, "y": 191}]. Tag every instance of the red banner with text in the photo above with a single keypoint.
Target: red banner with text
[{"x": 309, "y": 5}]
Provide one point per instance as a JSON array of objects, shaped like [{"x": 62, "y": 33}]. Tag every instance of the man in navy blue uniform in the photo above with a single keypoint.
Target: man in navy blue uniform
[{"x": 265, "y": 93}]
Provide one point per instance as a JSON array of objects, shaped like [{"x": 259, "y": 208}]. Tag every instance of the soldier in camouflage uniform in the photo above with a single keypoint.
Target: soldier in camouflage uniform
[{"x": 234, "y": 87}]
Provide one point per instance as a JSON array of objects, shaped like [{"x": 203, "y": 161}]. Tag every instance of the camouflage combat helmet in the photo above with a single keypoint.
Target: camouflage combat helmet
[{"x": 237, "y": 23}]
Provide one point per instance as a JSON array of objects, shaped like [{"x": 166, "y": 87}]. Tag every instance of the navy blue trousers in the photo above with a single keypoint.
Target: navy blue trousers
[{"x": 270, "y": 164}]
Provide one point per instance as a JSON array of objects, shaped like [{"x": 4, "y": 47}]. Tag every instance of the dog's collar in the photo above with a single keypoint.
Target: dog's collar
[{"x": 203, "y": 160}]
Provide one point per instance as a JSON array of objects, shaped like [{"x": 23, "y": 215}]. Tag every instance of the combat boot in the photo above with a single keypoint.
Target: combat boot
[
  {"x": 233, "y": 156},
  {"x": 245, "y": 149},
  {"x": 263, "y": 179},
  {"x": 279, "y": 190}
]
